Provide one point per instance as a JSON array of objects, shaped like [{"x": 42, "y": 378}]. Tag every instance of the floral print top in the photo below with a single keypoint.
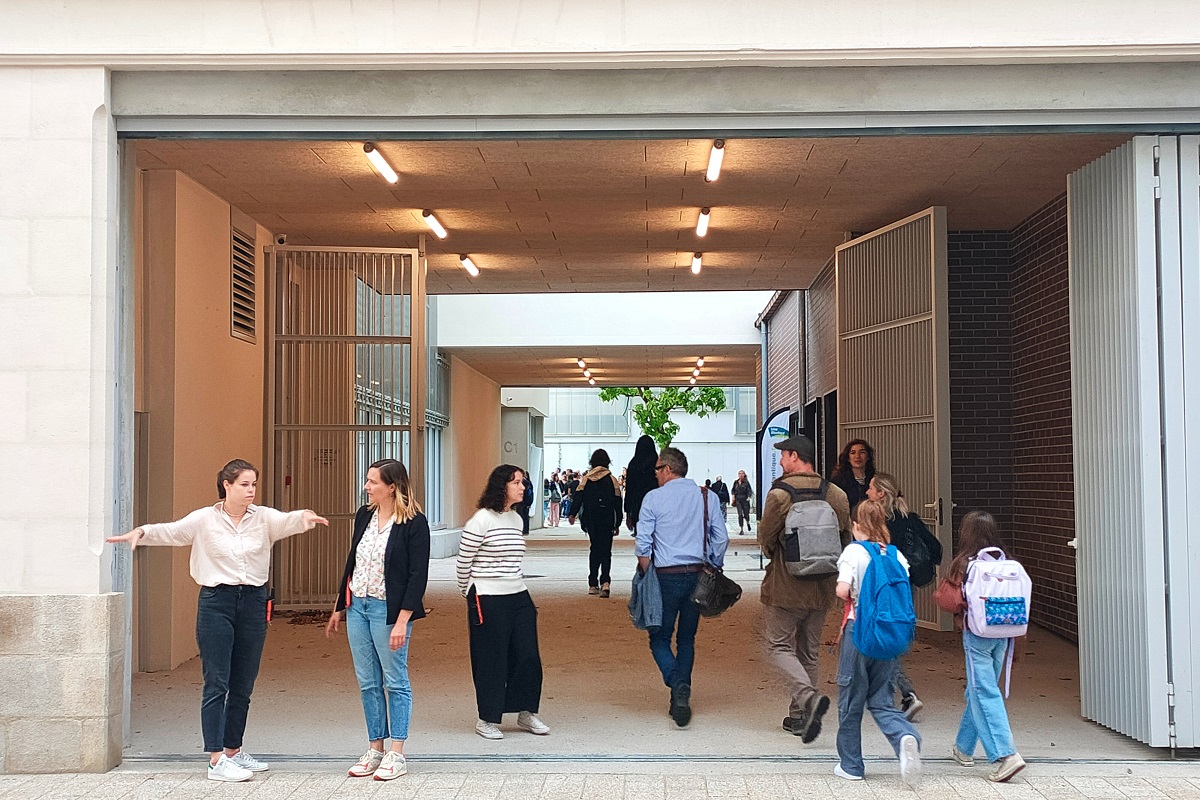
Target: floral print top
[{"x": 367, "y": 580}]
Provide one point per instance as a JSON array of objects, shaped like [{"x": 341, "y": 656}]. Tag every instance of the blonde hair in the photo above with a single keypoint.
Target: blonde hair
[
  {"x": 893, "y": 498},
  {"x": 393, "y": 474},
  {"x": 872, "y": 521}
]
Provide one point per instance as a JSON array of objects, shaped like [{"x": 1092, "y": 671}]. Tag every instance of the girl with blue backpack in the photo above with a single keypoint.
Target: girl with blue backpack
[{"x": 879, "y": 626}]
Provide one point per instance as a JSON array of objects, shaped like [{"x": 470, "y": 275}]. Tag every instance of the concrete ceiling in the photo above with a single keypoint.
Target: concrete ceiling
[
  {"x": 729, "y": 365},
  {"x": 619, "y": 215}
]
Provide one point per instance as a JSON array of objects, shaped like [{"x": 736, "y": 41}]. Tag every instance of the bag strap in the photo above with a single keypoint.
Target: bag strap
[{"x": 704, "y": 530}]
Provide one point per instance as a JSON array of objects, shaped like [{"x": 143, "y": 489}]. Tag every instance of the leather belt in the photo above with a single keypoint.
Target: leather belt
[{"x": 679, "y": 570}]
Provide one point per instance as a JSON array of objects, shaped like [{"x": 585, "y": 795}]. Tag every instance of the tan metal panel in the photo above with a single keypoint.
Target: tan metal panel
[
  {"x": 341, "y": 360},
  {"x": 893, "y": 376},
  {"x": 783, "y": 355},
  {"x": 820, "y": 318}
]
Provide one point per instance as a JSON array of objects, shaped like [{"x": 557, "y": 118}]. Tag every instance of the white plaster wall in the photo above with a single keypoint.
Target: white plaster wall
[
  {"x": 535, "y": 320},
  {"x": 58, "y": 315},
  {"x": 656, "y": 31}
]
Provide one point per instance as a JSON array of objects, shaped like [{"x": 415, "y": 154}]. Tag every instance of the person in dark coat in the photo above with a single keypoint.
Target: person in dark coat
[
  {"x": 598, "y": 504},
  {"x": 722, "y": 491},
  {"x": 639, "y": 480},
  {"x": 854, "y": 470}
]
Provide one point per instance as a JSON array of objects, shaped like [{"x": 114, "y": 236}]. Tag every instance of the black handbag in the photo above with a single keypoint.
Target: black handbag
[{"x": 715, "y": 592}]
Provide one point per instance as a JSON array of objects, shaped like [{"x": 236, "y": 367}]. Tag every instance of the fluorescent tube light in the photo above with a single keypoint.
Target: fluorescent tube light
[
  {"x": 433, "y": 223},
  {"x": 696, "y": 259},
  {"x": 381, "y": 164},
  {"x": 469, "y": 266},
  {"x": 702, "y": 222},
  {"x": 715, "y": 157}
]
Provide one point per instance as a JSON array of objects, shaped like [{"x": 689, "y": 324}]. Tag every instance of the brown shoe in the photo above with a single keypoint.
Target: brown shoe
[{"x": 604, "y": 590}]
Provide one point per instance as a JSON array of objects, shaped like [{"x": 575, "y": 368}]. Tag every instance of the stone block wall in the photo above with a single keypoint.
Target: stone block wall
[{"x": 62, "y": 678}]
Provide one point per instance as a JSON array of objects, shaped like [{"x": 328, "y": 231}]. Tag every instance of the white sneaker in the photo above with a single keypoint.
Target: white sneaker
[
  {"x": 488, "y": 730},
  {"x": 529, "y": 722},
  {"x": 247, "y": 761},
  {"x": 392, "y": 766},
  {"x": 841, "y": 773},
  {"x": 910, "y": 761},
  {"x": 226, "y": 770},
  {"x": 367, "y": 764}
]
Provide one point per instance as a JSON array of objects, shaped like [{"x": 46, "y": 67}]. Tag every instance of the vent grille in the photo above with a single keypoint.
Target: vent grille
[{"x": 242, "y": 287}]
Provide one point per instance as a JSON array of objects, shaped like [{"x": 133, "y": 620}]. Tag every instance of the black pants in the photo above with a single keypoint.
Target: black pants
[
  {"x": 231, "y": 627},
  {"x": 523, "y": 513},
  {"x": 600, "y": 558},
  {"x": 743, "y": 509},
  {"x": 505, "y": 663}
]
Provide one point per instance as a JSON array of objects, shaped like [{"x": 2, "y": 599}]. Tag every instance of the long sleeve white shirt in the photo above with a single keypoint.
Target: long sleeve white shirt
[
  {"x": 223, "y": 553},
  {"x": 490, "y": 553}
]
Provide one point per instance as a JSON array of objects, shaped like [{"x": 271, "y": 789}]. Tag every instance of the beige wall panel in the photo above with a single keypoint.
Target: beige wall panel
[{"x": 474, "y": 439}]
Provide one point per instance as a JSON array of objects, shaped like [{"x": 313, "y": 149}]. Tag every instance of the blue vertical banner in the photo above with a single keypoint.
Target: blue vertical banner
[{"x": 775, "y": 429}]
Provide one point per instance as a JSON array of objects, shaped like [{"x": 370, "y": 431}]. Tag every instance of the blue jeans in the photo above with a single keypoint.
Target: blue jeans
[
  {"x": 865, "y": 683},
  {"x": 231, "y": 627},
  {"x": 379, "y": 669},
  {"x": 676, "y": 667},
  {"x": 985, "y": 719}
]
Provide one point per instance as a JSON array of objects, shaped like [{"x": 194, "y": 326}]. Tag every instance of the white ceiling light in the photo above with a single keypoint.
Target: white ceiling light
[
  {"x": 381, "y": 164},
  {"x": 433, "y": 223},
  {"x": 592, "y": 381},
  {"x": 587, "y": 373},
  {"x": 700, "y": 361},
  {"x": 692, "y": 381},
  {"x": 702, "y": 222},
  {"x": 696, "y": 372},
  {"x": 715, "y": 157},
  {"x": 696, "y": 259},
  {"x": 469, "y": 265},
  {"x": 582, "y": 364}
]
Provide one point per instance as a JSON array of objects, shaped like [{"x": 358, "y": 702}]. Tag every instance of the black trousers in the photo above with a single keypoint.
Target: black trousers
[
  {"x": 505, "y": 663},
  {"x": 743, "y": 509},
  {"x": 600, "y": 558}
]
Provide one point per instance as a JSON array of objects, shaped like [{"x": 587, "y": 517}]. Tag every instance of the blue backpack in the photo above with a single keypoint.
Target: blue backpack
[{"x": 884, "y": 622}]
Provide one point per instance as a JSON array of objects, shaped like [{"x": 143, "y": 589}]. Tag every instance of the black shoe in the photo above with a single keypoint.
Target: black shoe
[
  {"x": 817, "y": 705},
  {"x": 794, "y": 725},
  {"x": 681, "y": 710}
]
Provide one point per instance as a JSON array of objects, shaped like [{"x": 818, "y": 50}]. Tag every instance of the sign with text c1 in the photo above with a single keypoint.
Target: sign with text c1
[{"x": 775, "y": 429}]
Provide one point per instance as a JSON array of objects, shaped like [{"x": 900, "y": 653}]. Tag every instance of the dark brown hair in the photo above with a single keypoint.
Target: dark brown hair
[
  {"x": 229, "y": 473},
  {"x": 978, "y": 530},
  {"x": 843, "y": 467},
  {"x": 495, "y": 494},
  {"x": 871, "y": 520}
]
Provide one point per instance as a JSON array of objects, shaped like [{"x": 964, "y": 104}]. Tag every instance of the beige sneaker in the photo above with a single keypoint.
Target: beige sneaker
[
  {"x": 367, "y": 764},
  {"x": 1006, "y": 768},
  {"x": 392, "y": 766},
  {"x": 531, "y": 723},
  {"x": 961, "y": 758},
  {"x": 488, "y": 730}
]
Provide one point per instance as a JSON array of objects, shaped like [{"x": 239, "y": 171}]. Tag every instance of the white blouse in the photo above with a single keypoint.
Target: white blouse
[
  {"x": 223, "y": 553},
  {"x": 367, "y": 580}
]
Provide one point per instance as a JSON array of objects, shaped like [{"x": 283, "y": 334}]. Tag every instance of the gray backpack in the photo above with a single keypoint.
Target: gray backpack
[{"x": 812, "y": 539}]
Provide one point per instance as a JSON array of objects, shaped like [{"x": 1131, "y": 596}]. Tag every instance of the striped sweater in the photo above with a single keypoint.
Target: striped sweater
[{"x": 490, "y": 553}]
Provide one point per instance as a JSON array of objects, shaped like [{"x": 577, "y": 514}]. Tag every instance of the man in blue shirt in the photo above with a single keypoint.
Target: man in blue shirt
[{"x": 671, "y": 528}]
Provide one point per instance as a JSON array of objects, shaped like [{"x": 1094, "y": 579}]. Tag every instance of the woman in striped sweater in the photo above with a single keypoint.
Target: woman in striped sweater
[{"x": 501, "y": 617}]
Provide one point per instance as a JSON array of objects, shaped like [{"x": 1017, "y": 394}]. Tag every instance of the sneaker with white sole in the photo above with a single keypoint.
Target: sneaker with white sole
[
  {"x": 961, "y": 758},
  {"x": 392, "y": 766},
  {"x": 247, "y": 761},
  {"x": 1006, "y": 768},
  {"x": 911, "y": 705},
  {"x": 910, "y": 761},
  {"x": 841, "y": 773},
  {"x": 531, "y": 723},
  {"x": 366, "y": 765},
  {"x": 488, "y": 730},
  {"x": 226, "y": 770}
]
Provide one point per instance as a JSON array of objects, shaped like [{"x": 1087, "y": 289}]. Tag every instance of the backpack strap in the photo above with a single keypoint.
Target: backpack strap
[{"x": 794, "y": 493}]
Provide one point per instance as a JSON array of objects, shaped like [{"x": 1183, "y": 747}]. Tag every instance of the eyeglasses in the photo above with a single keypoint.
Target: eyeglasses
[{"x": 659, "y": 467}]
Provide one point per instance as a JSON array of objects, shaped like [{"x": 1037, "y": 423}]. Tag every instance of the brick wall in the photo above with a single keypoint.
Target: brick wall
[
  {"x": 1043, "y": 489},
  {"x": 980, "y": 320}
]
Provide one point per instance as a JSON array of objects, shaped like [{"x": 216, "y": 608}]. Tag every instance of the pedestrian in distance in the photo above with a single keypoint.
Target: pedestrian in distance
[
  {"x": 872, "y": 581},
  {"x": 797, "y": 512},
  {"x": 640, "y": 479},
  {"x": 231, "y": 560},
  {"x": 381, "y": 595},
  {"x": 920, "y": 548},
  {"x": 506, "y": 665},
  {"x": 854, "y": 470},
  {"x": 985, "y": 719},
  {"x": 554, "y": 491},
  {"x": 679, "y": 531},
  {"x": 599, "y": 509},
  {"x": 722, "y": 491},
  {"x": 742, "y": 492}
]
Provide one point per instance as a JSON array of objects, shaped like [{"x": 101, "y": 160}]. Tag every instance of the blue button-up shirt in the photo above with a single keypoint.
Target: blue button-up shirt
[{"x": 670, "y": 524}]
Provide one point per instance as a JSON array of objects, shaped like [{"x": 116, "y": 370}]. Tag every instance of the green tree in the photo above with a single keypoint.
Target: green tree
[{"x": 653, "y": 412}]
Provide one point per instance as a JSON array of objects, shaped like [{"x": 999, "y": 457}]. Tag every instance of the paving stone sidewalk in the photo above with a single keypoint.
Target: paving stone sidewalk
[{"x": 488, "y": 785}]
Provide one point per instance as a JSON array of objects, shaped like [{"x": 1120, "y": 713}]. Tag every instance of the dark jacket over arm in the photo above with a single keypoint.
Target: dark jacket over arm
[{"x": 405, "y": 565}]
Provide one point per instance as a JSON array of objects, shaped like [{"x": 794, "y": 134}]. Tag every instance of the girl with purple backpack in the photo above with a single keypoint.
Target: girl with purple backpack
[{"x": 985, "y": 719}]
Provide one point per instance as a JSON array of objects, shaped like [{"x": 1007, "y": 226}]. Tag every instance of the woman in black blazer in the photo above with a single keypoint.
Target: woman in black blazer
[{"x": 381, "y": 594}]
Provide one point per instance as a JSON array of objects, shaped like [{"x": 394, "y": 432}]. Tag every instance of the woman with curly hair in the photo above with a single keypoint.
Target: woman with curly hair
[
  {"x": 501, "y": 618},
  {"x": 854, "y": 470}
]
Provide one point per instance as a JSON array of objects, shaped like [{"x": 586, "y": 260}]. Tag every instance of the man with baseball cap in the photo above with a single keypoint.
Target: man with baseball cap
[{"x": 794, "y": 609}]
